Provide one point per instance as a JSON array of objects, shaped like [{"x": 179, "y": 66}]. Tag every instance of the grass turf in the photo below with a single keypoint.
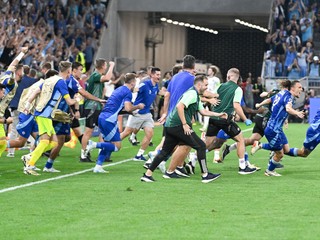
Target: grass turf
[{"x": 118, "y": 206}]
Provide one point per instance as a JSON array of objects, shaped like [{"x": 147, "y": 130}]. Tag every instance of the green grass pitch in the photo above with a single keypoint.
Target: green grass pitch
[{"x": 118, "y": 206}]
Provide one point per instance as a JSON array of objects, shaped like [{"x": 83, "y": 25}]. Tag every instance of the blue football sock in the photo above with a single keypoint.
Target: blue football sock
[
  {"x": 272, "y": 164},
  {"x": 102, "y": 156},
  {"x": 107, "y": 146},
  {"x": 266, "y": 146},
  {"x": 293, "y": 152},
  {"x": 49, "y": 163}
]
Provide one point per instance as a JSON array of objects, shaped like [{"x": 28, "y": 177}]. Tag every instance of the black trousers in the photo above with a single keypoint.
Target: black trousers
[{"x": 175, "y": 136}]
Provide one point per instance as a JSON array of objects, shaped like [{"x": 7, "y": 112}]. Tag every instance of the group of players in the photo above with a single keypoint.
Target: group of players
[
  {"x": 269, "y": 123},
  {"x": 43, "y": 102}
]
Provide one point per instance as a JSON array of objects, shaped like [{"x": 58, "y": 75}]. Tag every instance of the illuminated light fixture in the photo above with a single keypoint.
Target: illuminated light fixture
[
  {"x": 182, "y": 24},
  {"x": 251, "y": 25}
]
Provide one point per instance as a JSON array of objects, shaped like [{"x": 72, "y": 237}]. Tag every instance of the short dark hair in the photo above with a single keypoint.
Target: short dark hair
[
  {"x": 46, "y": 65},
  {"x": 176, "y": 69},
  {"x": 285, "y": 83},
  {"x": 189, "y": 62},
  {"x": 75, "y": 65},
  {"x": 26, "y": 69},
  {"x": 129, "y": 77},
  {"x": 51, "y": 72},
  {"x": 293, "y": 83},
  {"x": 32, "y": 72},
  {"x": 154, "y": 70},
  {"x": 199, "y": 78}
]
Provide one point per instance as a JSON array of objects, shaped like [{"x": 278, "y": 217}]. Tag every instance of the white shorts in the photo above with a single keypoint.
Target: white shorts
[{"x": 139, "y": 121}]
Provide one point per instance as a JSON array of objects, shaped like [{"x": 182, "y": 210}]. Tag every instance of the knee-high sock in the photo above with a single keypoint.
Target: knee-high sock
[
  {"x": 3, "y": 146},
  {"x": 293, "y": 152},
  {"x": 108, "y": 155},
  {"x": 102, "y": 156},
  {"x": 107, "y": 146},
  {"x": 36, "y": 154},
  {"x": 52, "y": 144},
  {"x": 266, "y": 146}
]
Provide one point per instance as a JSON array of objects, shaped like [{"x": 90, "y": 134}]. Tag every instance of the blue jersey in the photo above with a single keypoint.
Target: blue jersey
[
  {"x": 146, "y": 95},
  {"x": 180, "y": 83},
  {"x": 312, "y": 139},
  {"x": 59, "y": 90},
  {"x": 115, "y": 103},
  {"x": 278, "y": 109},
  {"x": 73, "y": 86}
]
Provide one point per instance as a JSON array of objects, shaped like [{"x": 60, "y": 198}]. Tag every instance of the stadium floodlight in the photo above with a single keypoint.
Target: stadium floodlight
[
  {"x": 250, "y": 25},
  {"x": 182, "y": 24}
]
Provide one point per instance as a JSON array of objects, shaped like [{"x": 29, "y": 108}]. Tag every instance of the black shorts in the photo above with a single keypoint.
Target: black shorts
[
  {"x": 259, "y": 125},
  {"x": 229, "y": 127},
  {"x": 91, "y": 118},
  {"x": 75, "y": 123}
]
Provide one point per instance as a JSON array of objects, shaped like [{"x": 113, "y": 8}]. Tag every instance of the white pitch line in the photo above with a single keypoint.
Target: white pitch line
[
  {"x": 57, "y": 178},
  {"x": 69, "y": 175}
]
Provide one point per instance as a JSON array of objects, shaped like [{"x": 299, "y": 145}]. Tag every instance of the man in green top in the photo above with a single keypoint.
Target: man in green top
[
  {"x": 230, "y": 95},
  {"x": 92, "y": 108},
  {"x": 178, "y": 129}
]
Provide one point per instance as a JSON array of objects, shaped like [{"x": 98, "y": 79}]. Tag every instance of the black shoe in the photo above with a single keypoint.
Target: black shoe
[
  {"x": 85, "y": 159},
  {"x": 134, "y": 143},
  {"x": 146, "y": 178},
  {"x": 225, "y": 151},
  {"x": 247, "y": 170},
  {"x": 210, "y": 177},
  {"x": 279, "y": 165},
  {"x": 150, "y": 144},
  {"x": 170, "y": 175},
  {"x": 108, "y": 160},
  {"x": 181, "y": 172},
  {"x": 189, "y": 168},
  {"x": 146, "y": 165}
]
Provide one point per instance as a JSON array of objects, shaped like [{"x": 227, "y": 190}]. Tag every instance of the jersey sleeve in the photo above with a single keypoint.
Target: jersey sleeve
[
  {"x": 128, "y": 97},
  {"x": 63, "y": 88},
  {"x": 189, "y": 98},
  {"x": 238, "y": 95},
  {"x": 75, "y": 86}
]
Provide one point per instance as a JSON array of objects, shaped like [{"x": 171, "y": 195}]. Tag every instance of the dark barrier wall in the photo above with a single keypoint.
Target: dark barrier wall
[{"x": 241, "y": 49}]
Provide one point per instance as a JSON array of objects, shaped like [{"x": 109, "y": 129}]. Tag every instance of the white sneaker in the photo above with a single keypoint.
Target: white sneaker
[
  {"x": 255, "y": 147},
  {"x": 50, "y": 170},
  {"x": 25, "y": 159},
  {"x": 28, "y": 170},
  {"x": 254, "y": 166},
  {"x": 91, "y": 145},
  {"x": 162, "y": 167},
  {"x": 10, "y": 155},
  {"x": 271, "y": 173},
  {"x": 34, "y": 168},
  {"x": 99, "y": 169}
]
